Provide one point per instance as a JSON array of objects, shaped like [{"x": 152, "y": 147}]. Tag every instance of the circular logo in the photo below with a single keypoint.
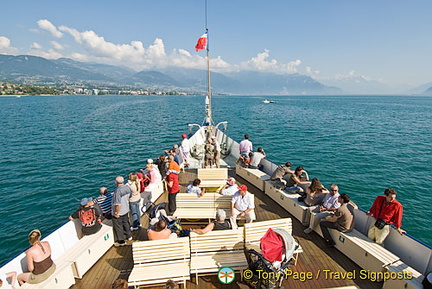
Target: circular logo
[{"x": 226, "y": 275}]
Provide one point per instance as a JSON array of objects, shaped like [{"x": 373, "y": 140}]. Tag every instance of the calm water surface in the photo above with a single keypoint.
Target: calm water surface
[{"x": 56, "y": 150}]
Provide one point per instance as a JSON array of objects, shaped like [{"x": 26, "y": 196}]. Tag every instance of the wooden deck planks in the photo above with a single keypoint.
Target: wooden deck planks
[{"x": 118, "y": 263}]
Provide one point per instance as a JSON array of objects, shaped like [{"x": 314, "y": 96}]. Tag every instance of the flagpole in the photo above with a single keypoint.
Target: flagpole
[{"x": 208, "y": 119}]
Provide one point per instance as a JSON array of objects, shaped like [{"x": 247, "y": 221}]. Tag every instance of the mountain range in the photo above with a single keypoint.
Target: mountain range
[
  {"x": 37, "y": 70},
  {"x": 63, "y": 71}
]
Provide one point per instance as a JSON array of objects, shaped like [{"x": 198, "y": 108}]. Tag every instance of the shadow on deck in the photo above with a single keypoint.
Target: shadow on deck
[{"x": 317, "y": 267}]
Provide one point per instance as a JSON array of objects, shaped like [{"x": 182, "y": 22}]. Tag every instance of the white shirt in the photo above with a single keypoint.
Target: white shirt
[
  {"x": 256, "y": 159},
  {"x": 185, "y": 145},
  {"x": 231, "y": 190},
  {"x": 331, "y": 201},
  {"x": 243, "y": 203}
]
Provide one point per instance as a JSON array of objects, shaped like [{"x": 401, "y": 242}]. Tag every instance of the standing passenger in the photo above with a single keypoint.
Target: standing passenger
[
  {"x": 104, "y": 202},
  {"x": 217, "y": 151},
  {"x": 245, "y": 146},
  {"x": 134, "y": 201},
  {"x": 185, "y": 150},
  {"x": 209, "y": 150},
  {"x": 120, "y": 212},
  {"x": 389, "y": 210},
  {"x": 173, "y": 189}
]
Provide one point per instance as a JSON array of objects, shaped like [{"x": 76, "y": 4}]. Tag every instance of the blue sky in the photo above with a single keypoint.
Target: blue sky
[{"x": 334, "y": 41}]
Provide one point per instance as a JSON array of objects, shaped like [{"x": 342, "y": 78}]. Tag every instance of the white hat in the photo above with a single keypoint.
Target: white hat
[{"x": 149, "y": 161}]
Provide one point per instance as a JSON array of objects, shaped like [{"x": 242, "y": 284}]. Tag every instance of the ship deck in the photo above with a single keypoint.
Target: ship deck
[{"x": 118, "y": 263}]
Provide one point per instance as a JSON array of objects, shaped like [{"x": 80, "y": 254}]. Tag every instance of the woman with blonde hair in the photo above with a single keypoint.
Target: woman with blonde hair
[
  {"x": 134, "y": 201},
  {"x": 39, "y": 261}
]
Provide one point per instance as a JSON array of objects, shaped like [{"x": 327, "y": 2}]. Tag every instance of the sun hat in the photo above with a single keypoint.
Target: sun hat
[
  {"x": 231, "y": 181},
  {"x": 150, "y": 161},
  {"x": 242, "y": 188},
  {"x": 84, "y": 201}
]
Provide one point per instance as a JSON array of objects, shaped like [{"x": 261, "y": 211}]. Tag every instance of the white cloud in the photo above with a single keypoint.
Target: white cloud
[
  {"x": 35, "y": 45},
  {"x": 47, "y": 25},
  {"x": 262, "y": 62},
  {"x": 309, "y": 71},
  {"x": 50, "y": 54},
  {"x": 93, "y": 47},
  {"x": 57, "y": 45},
  {"x": 5, "y": 46}
]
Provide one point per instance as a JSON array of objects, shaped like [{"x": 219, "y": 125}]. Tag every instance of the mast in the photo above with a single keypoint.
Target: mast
[{"x": 208, "y": 121}]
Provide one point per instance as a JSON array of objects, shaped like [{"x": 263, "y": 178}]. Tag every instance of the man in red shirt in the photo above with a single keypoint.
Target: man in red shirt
[
  {"x": 388, "y": 209},
  {"x": 173, "y": 189}
]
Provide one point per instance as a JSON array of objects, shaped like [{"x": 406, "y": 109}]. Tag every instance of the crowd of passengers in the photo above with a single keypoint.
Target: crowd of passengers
[{"x": 122, "y": 205}]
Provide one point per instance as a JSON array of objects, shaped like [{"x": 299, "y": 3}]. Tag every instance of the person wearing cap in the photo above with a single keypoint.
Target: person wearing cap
[
  {"x": 243, "y": 205},
  {"x": 217, "y": 151},
  {"x": 230, "y": 188},
  {"x": 39, "y": 262},
  {"x": 89, "y": 217},
  {"x": 184, "y": 146}
]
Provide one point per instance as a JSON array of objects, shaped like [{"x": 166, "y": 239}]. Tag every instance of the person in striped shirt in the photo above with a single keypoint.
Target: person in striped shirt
[{"x": 104, "y": 202}]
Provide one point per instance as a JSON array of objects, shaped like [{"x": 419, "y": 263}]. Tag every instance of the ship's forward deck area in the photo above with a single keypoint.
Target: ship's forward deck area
[{"x": 317, "y": 267}]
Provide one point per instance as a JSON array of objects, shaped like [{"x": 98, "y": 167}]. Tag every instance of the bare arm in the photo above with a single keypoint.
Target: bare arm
[
  {"x": 13, "y": 276},
  {"x": 30, "y": 262},
  {"x": 207, "y": 229}
]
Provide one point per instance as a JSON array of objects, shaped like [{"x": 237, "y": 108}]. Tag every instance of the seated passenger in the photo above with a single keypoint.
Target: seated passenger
[
  {"x": 195, "y": 189},
  {"x": 219, "y": 224},
  {"x": 88, "y": 216},
  {"x": 281, "y": 171},
  {"x": 4, "y": 283},
  {"x": 161, "y": 232},
  {"x": 293, "y": 182},
  {"x": 342, "y": 220},
  {"x": 327, "y": 208},
  {"x": 256, "y": 158},
  {"x": 39, "y": 261},
  {"x": 230, "y": 188},
  {"x": 244, "y": 160},
  {"x": 243, "y": 205},
  {"x": 315, "y": 193}
]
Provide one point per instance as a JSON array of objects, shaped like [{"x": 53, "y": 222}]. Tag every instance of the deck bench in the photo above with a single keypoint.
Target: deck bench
[
  {"x": 217, "y": 249},
  {"x": 254, "y": 176},
  {"x": 287, "y": 201},
  {"x": 88, "y": 250},
  {"x": 62, "y": 278},
  {"x": 364, "y": 252},
  {"x": 192, "y": 206},
  {"x": 255, "y": 231},
  {"x": 400, "y": 267},
  {"x": 155, "y": 262},
  {"x": 213, "y": 177}
]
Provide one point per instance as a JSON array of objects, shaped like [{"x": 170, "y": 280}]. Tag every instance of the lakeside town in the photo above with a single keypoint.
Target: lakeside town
[{"x": 9, "y": 89}]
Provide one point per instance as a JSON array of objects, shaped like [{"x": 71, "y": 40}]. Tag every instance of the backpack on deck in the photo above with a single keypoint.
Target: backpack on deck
[{"x": 87, "y": 217}]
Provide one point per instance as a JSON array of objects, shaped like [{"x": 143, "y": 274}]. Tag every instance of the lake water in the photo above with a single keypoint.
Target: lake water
[{"x": 56, "y": 150}]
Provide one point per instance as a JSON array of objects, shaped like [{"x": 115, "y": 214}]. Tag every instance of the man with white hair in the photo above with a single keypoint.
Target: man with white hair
[
  {"x": 219, "y": 224},
  {"x": 243, "y": 205},
  {"x": 120, "y": 211}
]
